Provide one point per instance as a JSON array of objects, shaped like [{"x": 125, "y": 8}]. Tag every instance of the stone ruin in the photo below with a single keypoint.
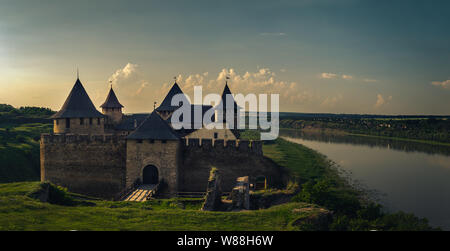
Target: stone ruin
[
  {"x": 240, "y": 195},
  {"x": 213, "y": 199}
]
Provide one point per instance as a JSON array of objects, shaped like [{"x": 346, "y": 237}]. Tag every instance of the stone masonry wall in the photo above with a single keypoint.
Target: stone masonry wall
[
  {"x": 59, "y": 126},
  {"x": 114, "y": 115},
  {"x": 164, "y": 156},
  {"x": 87, "y": 164},
  {"x": 233, "y": 159}
]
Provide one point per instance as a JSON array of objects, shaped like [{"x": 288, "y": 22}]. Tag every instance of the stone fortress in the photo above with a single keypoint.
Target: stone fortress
[{"x": 107, "y": 154}]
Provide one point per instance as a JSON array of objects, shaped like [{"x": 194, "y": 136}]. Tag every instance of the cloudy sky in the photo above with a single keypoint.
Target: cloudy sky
[{"x": 346, "y": 56}]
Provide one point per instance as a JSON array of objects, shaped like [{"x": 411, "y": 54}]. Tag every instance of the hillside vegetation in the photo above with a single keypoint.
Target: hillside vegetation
[
  {"x": 419, "y": 129},
  {"x": 20, "y": 130},
  {"x": 18, "y": 211}
]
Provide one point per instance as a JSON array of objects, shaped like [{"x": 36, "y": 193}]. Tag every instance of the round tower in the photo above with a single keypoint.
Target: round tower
[
  {"x": 78, "y": 114},
  {"x": 112, "y": 108}
]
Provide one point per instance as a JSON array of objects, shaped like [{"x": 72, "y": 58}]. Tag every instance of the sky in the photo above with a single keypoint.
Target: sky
[{"x": 321, "y": 56}]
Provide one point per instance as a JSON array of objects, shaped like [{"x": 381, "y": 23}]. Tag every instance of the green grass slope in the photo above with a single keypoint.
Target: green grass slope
[
  {"x": 18, "y": 211},
  {"x": 19, "y": 151}
]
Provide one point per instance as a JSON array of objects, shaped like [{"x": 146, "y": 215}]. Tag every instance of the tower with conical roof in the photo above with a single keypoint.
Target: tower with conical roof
[
  {"x": 228, "y": 108},
  {"x": 78, "y": 114},
  {"x": 112, "y": 109},
  {"x": 166, "y": 108}
]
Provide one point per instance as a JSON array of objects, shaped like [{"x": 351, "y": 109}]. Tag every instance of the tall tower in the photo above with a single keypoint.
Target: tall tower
[
  {"x": 112, "y": 108},
  {"x": 227, "y": 107},
  {"x": 78, "y": 114},
  {"x": 166, "y": 108}
]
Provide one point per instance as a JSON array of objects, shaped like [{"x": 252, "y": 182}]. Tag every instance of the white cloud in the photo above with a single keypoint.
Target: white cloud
[
  {"x": 272, "y": 34},
  {"x": 332, "y": 101},
  {"x": 137, "y": 93},
  {"x": 347, "y": 77},
  {"x": 143, "y": 85},
  {"x": 326, "y": 75},
  {"x": 368, "y": 80},
  {"x": 382, "y": 101},
  {"x": 444, "y": 84},
  {"x": 329, "y": 75},
  {"x": 124, "y": 73},
  {"x": 260, "y": 81},
  {"x": 133, "y": 90}
]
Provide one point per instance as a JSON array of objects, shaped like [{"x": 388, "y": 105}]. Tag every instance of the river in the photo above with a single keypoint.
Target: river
[{"x": 412, "y": 177}]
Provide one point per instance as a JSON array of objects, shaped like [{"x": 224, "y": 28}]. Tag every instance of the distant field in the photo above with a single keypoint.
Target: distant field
[
  {"x": 292, "y": 115},
  {"x": 426, "y": 128}
]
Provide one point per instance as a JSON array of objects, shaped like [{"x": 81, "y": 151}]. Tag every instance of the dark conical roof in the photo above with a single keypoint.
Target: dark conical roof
[
  {"x": 78, "y": 105},
  {"x": 111, "y": 100},
  {"x": 154, "y": 127},
  {"x": 166, "y": 104},
  {"x": 223, "y": 100}
]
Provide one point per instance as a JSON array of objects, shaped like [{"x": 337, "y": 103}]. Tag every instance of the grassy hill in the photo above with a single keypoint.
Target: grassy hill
[
  {"x": 20, "y": 130},
  {"x": 18, "y": 211}
]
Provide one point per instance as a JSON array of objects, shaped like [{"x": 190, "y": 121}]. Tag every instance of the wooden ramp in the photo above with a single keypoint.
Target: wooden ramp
[{"x": 141, "y": 193}]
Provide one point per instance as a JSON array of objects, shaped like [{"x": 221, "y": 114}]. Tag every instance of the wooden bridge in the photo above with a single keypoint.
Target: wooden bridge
[
  {"x": 145, "y": 192},
  {"x": 142, "y": 193}
]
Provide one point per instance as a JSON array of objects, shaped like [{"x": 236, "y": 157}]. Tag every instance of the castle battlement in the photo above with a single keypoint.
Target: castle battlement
[
  {"x": 243, "y": 146},
  {"x": 81, "y": 138}
]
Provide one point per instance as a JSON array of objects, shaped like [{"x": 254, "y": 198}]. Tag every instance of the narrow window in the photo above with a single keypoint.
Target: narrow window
[
  {"x": 216, "y": 135},
  {"x": 152, "y": 141},
  {"x": 164, "y": 141},
  {"x": 98, "y": 121},
  {"x": 57, "y": 121},
  {"x": 139, "y": 141},
  {"x": 90, "y": 121},
  {"x": 67, "y": 123},
  {"x": 81, "y": 121}
]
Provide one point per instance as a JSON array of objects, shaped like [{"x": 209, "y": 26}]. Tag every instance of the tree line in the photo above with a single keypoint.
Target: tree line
[{"x": 431, "y": 129}]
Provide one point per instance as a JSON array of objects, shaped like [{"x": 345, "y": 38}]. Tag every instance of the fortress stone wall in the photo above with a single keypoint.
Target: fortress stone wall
[
  {"x": 164, "y": 155},
  {"x": 88, "y": 164},
  {"x": 233, "y": 159},
  {"x": 106, "y": 165}
]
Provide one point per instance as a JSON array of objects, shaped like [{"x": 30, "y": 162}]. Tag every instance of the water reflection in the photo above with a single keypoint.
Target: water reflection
[
  {"x": 413, "y": 176},
  {"x": 399, "y": 145}
]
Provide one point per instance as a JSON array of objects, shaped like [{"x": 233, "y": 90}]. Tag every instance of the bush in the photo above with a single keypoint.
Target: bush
[
  {"x": 371, "y": 217},
  {"x": 340, "y": 223},
  {"x": 58, "y": 195},
  {"x": 325, "y": 194},
  {"x": 402, "y": 221},
  {"x": 48, "y": 192}
]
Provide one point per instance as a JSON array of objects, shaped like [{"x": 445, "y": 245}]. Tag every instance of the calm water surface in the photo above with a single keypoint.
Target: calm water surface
[{"x": 412, "y": 177}]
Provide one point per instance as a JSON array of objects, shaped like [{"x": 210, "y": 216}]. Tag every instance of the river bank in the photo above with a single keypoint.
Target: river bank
[
  {"x": 325, "y": 184},
  {"x": 341, "y": 132}
]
